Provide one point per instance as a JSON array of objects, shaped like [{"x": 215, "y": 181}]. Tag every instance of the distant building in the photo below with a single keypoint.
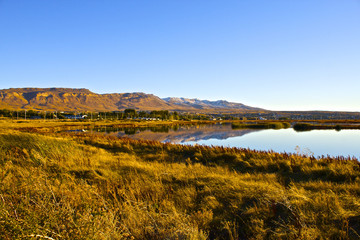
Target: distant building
[{"x": 75, "y": 116}]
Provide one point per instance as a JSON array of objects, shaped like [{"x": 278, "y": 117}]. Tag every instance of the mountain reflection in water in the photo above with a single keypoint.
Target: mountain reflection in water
[
  {"x": 181, "y": 134},
  {"x": 316, "y": 142}
]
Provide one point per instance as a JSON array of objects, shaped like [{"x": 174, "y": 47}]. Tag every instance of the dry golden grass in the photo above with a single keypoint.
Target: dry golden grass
[{"x": 65, "y": 186}]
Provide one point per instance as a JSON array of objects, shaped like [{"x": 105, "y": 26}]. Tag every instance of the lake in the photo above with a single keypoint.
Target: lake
[{"x": 315, "y": 142}]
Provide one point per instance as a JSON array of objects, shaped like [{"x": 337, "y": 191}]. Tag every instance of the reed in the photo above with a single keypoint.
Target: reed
[{"x": 69, "y": 186}]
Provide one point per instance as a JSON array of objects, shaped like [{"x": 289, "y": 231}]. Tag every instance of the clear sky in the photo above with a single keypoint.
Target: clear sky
[{"x": 274, "y": 54}]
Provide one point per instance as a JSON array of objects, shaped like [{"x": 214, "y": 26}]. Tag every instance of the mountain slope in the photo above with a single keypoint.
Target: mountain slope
[
  {"x": 69, "y": 99},
  {"x": 206, "y": 104}
]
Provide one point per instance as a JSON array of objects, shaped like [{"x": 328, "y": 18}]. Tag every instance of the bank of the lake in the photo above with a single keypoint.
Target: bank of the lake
[
  {"x": 245, "y": 134},
  {"x": 315, "y": 142}
]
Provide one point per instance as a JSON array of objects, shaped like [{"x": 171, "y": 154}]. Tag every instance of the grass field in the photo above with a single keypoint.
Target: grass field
[{"x": 70, "y": 186}]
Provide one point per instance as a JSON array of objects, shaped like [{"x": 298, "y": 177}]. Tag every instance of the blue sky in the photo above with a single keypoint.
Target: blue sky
[{"x": 278, "y": 54}]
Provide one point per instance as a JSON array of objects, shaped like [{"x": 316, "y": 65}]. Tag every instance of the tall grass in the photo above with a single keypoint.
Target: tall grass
[{"x": 68, "y": 186}]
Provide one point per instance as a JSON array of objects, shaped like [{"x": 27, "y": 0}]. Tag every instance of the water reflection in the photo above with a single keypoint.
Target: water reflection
[
  {"x": 179, "y": 134},
  {"x": 315, "y": 142}
]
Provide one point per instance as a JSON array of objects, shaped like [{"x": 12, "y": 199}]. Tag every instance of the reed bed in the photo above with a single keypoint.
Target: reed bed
[{"x": 72, "y": 186}]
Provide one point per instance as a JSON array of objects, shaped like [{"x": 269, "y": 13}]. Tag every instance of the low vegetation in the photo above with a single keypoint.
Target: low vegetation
[
  {"x": 71, "y": 186},
  {"x": 261, "y": 125},
  {"x": 311, "y": 126}
]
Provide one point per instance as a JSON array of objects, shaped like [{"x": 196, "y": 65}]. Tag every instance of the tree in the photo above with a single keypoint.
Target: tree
[{"x": 130, "y": 112}]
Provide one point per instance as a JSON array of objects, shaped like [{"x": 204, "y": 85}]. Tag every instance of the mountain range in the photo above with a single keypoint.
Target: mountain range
[{"x": 73, "y": 99}]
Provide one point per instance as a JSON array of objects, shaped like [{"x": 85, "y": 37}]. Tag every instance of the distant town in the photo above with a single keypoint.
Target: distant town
[{"x": 175, "y": 115}]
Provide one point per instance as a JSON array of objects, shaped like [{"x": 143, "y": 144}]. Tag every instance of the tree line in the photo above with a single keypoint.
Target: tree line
[{"x": 112, "y": 115}]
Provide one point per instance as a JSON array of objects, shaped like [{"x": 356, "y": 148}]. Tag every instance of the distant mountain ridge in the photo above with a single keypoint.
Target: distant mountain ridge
[
  {"x": 81, "y": 99},
  {"x": 206, "y": 104}
]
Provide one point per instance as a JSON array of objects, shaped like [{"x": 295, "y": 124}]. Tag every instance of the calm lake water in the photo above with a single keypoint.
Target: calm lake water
[{"x": 315, "y": 142}]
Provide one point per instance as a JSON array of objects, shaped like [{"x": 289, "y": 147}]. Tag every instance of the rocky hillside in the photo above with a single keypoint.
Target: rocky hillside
[{"x": 69, "y": 99}]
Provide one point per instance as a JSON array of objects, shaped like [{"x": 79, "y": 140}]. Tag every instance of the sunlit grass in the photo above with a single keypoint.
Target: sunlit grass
[{"x": 66, "y": 186}]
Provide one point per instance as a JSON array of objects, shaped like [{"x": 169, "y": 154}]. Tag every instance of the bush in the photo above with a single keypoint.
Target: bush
[{"x": 303, "y": 127}]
